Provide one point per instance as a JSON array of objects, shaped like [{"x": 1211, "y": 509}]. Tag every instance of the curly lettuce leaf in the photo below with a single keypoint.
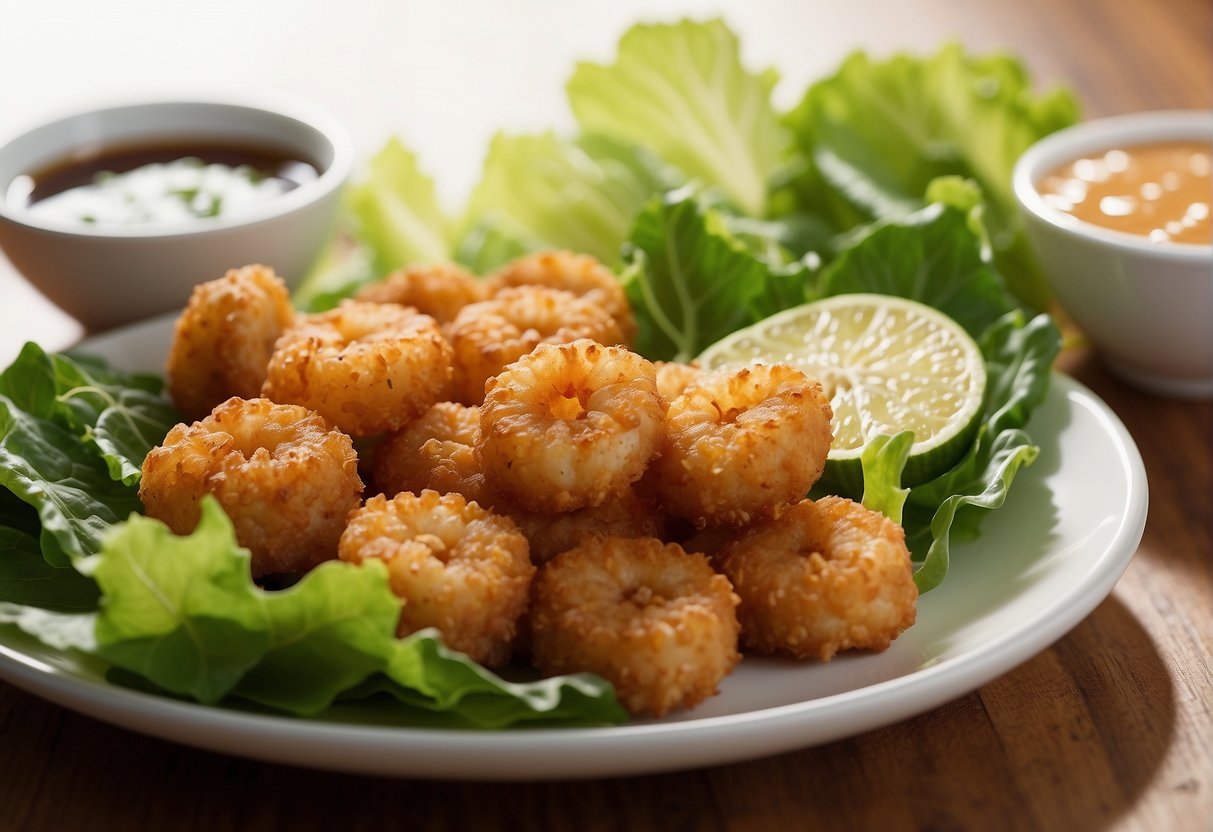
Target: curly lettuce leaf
[
  {"x": 543, "y": 191},
  {"x": 691, "y": 282},
  {"x": 1019, "y": 356},
  {"x": 427, "y": 675},
  {"x": 180, "y": 611},
  {"x": 883, "y": 459},
  {"x": 489, "y": 244},
  {"x": 393, "y": 219},
  {"x": 875, "y": 134},
  {"x": 326, "y": 634},
  {"x": 397, "y": 211},
  {"x": 981, "y": 481},
  {"x": 932, "y": 256},
  {"x": 343, "y": 268},
  {"x": 183, "y": 614},
  {"x": 681, "y": 90},
  {"x": 57, "y": 630}
]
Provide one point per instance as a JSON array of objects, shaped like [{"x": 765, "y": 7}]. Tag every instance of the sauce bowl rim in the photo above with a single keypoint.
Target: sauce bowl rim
[
  {"x": 1105, "y": 134},
  {"x": 330, "y": 178}
]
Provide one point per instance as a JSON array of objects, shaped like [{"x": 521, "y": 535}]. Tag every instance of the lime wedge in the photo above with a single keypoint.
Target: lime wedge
[{"x": 888, "y": 364}]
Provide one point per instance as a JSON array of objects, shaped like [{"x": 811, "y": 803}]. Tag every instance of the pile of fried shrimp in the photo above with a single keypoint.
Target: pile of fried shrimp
[{"x": 538, "y": 492}]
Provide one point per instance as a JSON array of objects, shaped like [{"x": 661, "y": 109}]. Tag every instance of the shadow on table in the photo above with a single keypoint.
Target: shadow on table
[{"x": 1173, "y": 436}]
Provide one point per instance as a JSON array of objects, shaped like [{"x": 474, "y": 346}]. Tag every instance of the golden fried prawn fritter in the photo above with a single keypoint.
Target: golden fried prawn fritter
[
  {"x": 439, "y": 290},
  {"x": 457, "y": 566},
  {"x": 569, "y": 425},
  {"x": 623, "y": 514},
  {"x": 224, "y": 337},
  {"x": 489, "y": 335},
  {"x": 435, "y": 451},
  {"x": 657, "y": 623},
  {"x": 366, "y": 367},
  {"x": 284, "y": 477},
  {"x": 673, "y": 378},
  {"x": 580, "y": 274},
  {"x": 741, "y": 443},
  {"x": 824, "y": 576}
]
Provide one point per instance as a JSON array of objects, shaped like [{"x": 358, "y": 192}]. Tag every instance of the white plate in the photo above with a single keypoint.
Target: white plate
[{"x": 1045, "y": 560}]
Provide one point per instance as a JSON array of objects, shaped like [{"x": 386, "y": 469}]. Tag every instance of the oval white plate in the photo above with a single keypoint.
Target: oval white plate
[{"x": 1043, "y": 562}]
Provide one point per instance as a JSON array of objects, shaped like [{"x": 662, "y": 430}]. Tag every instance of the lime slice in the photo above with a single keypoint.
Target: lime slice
[{"x": 888, "y": 364}]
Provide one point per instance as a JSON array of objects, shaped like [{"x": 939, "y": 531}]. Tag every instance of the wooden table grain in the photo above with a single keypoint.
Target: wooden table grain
[{"x": 1110, "y": 728}]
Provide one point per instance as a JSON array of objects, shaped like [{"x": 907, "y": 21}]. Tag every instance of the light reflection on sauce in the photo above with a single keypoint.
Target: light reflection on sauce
[{"x": 1160, "y": 191}]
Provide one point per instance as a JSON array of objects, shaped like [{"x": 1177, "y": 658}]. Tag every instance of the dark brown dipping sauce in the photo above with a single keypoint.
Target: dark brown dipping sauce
[
  {"x": 164, "y": 182},
  {"x": 82, "y": 170}
]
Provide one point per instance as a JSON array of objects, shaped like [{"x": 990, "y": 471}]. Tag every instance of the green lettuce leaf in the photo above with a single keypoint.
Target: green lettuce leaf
[
  {"x": 1019, "y": 356},
  {"x": 424, "y": 673},
  {"x": 27, "y": 579},
  {"x": 932, "y": 256},
  {"x": 681, "y": 90},
  {"x": 343, "y": 267},
  {"x": 391, "y": 218},
  {"x": 981, "y": 481},
  {"x": 487, "y": 245},
  {"x": 57, "y": 630},
  {"x": 183, "y": 614},
  {"x": 397, "y": 211},
  {"x": 883, "y": 459},
  {"x": 52, "y": 469},
  {"x": 122, "y": 416},
  {"x": 326, "y": 634},
  {"x": 180, "y": 611},
  {"x": 874, "y": 135},
  {"x": 691, "y": 282},
  {"x": 542, "y": 191}
]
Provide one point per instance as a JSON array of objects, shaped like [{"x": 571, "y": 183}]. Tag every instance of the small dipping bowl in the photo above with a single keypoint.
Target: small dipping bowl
[
  {"x": 109, "y": 275},
  {"x": 1147, "y": 306}
]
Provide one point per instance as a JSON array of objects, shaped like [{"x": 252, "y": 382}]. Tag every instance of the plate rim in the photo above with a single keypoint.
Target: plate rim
[{"x": 511, "y": 755}]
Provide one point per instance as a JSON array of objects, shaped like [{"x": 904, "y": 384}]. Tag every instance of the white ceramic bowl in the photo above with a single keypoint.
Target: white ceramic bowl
[
  {"x": 1147, "y": 306},
  {"x": 110, "y": 275}
]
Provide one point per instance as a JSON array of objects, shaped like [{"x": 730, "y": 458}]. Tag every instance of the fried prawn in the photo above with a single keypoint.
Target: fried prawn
[
  {"x": 741, "y": 443},
  {"x": 824, "y": 576},
  {"x": 366, "y": 367},
  {"x": 674, "y": 378},
  {"x": 489, "y": 335},
  {"x": 284, "y": 477},
  {"x": 439, "y": 290},
  {"x": 435, "y": 451},
  {"x": 657, "y": 623},
  {"x": 457, "y": 566},
  {"x": 568, "y": 425},
  {"x": 580, "y": 274},
  {"x": 622, "y": 514},
  {"x": 224, "y": 337}
]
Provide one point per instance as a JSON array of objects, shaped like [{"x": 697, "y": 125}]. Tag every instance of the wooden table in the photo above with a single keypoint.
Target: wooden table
[{"x": 1109, "y": 728}]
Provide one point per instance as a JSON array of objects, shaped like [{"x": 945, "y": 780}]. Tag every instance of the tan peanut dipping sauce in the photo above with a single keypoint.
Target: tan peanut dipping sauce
[{"x": 1160, "y": 191}]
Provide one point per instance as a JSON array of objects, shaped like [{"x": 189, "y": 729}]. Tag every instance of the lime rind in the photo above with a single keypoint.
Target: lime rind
[{"x": 888, "y": 364}]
